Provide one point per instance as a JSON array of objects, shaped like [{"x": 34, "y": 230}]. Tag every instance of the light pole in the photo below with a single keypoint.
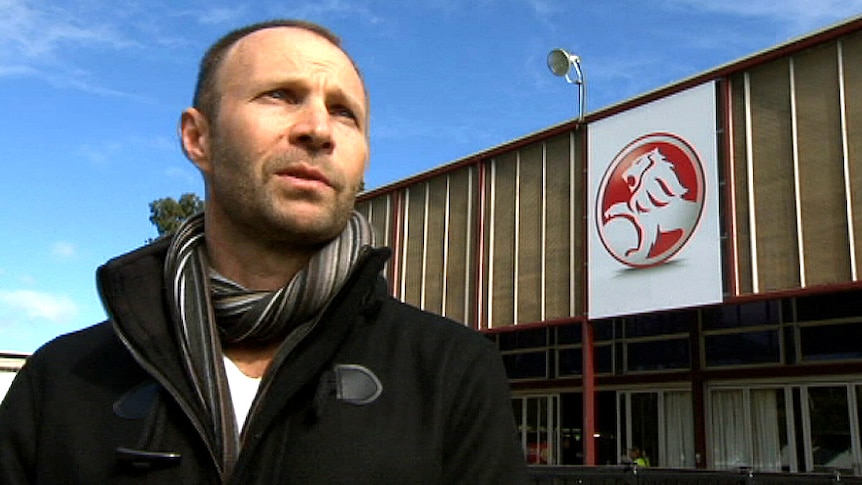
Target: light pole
[{"x": 560, "y": 62}]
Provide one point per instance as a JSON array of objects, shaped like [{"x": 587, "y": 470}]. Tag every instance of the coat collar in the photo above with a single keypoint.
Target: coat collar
[{"x": 133, "y": 292}]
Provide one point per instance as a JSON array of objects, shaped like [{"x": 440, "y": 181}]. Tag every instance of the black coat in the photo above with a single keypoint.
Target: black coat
[{"x": 112, "y": 404}]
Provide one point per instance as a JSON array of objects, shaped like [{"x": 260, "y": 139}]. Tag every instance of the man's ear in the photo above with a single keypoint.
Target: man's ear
[{"x": 195, "y": 137}]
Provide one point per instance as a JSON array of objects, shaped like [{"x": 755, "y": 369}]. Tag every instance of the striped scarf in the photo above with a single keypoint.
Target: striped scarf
[{"x": 209, "y": 309}]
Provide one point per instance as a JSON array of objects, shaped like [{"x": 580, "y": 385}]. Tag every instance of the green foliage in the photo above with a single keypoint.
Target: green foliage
[{"x": 167, "y": 214}]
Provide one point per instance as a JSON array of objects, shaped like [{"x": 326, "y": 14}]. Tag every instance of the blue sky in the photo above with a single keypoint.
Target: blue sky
[{"x": 91, "y": 91}]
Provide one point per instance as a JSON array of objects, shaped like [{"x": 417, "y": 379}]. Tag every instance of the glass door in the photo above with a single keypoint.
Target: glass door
[
  {"x": 657, "y": 428},
  {"x": 829, "y": 445},
  {"x": 537, "y": 418},
  {"x": 751, "y": 428}
]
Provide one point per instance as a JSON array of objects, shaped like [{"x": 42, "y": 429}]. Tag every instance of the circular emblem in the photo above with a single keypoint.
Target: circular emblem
[{"x": 650, "y": 200}]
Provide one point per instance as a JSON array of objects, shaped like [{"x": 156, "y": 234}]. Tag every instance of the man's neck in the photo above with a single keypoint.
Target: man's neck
[
  {"x": 256, "y": 269},
  {"x": 252, "y": 360},
  {"x": 254, "y": 263}
]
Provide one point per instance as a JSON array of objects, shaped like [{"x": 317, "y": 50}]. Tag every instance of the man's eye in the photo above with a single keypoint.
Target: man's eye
[
  {"x": 344, "y": 112},
  {"x": 280, "y": 94}
]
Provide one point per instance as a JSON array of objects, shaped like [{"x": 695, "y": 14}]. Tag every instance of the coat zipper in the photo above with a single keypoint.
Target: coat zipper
[
  {"x": 291, "y": 341},
  {"x": 163, "y": 380},
  {"x": 294, "y": 338}
]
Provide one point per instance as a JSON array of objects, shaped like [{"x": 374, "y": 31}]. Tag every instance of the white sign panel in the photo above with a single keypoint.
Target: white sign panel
[{"x": 654, "y": 240}]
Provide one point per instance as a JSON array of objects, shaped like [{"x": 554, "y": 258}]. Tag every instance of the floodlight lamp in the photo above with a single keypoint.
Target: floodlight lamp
[{"x": 560, "y": 61}]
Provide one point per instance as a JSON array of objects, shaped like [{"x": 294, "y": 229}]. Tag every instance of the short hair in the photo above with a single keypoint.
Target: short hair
[{"x": 206, "y": 96}]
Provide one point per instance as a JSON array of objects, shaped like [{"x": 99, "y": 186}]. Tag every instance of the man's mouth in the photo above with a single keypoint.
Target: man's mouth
[{"x": 304, "y": 173}]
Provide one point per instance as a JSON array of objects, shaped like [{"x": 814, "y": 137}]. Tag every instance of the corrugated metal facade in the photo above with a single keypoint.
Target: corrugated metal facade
[{"x": 498, "y": 241}]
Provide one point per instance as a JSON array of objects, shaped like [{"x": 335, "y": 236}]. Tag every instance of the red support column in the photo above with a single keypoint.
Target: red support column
[{"x": 589, "y": 425}]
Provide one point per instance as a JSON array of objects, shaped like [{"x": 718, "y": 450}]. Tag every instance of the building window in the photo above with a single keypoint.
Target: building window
[
  {"x": 526, "y": 353},
  {"x": 645, "y": 352},
  {"x": 569, "y": 334},
  {"x": 742, "y": 315},
  {"x": 742, "y": 334},
  {"x": 526, "y": 365},
  {"x": 654, "y": 355},
  {"x": 570, "y": 362},
  {"x": 742, "y": 348},
  {"x": 666, "y": 323},
  {"x": 828, "y": 306},
  {"x": 831, "y": 342},
  {"x": 524, "y": 339},
  {"x": 829, "y": 326},
  {"x": 603, "y": 358}
]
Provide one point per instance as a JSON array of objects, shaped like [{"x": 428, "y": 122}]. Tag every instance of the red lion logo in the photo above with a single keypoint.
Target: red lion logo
[{"x": 650, "y": 200}]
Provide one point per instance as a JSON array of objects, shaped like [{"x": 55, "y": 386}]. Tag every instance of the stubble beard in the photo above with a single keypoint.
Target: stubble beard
[{"x": 249, "y": 198}]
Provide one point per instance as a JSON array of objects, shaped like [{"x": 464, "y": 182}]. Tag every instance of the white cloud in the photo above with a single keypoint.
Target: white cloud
[
  {"x": 63, "y": 249},
  {"x": 544, "y": 8},
  {"x": 106, "y": 152},
  {"x": 220, "y": 15},
  {"x": 11, "y": 70},
  {"x": 102, "y": 154},
  {"x": 39, "y": 33},
  {"x": 335, "y": 8},
  {"x": 796, "y": 14},
  {"x": 186, "y": 175},
  {"x": 36, "y": 39},
  {"x": 18, "y": 305}
]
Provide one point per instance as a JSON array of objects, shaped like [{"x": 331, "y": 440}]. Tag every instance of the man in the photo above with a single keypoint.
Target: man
[
  {"x": 637, "y": 458},
  {"x": 258, "y": 344}
]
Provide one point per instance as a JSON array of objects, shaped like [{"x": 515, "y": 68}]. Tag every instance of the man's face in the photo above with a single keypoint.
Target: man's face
[{"x": 288, "y": 146}]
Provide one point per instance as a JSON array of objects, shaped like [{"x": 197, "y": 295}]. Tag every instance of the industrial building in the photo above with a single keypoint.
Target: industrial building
[
  {"x": 678, "y": 272},
  {"x": 10, "y": 364}
]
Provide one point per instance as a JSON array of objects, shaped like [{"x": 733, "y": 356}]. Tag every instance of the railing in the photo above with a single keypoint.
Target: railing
[{"x": 627, "y": 475}]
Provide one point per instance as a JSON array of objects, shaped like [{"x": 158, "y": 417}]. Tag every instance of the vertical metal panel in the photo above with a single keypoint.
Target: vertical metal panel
[
  {"x": 529, "y": 235},
  {"x": 516, "y": 239},
  {"x": 381, "y": 219},
  {"x": 459, "y": 281},
  {"x": 490, "y": 217},
  {"x": 424, "y": 263},
  {"x": 774, "y": 228},
  {"x": 365, "y": 208},
  {"x": 543, "y": 241},
  {"x": 795, "y": 143},
  {"x": 503, "y": 235},
  {"x": 824, "y": 243},
  {"x": 578, "y": 222},
  {"x": 379, "y": 213},
  {"x": 845, "y": 156},
  {"x": 742, "y": 194},
  {"x": 576, "y": 257},
  {"x": 398, "y": 223},
  {"x": 470, "y": 249},
  {"x": 731, "y": 190},
  {"x": 558, "y": 248},
  {"x": 445, "y": 236},
  {"x": 436, "y": 239},
  {"x": 851, "y": 48},
  {"x": 749, "y": 165},
  {"x": 405, "y": 224},
  {"x": 725, "y": 187},
  {"x": 414, "y": 241}
]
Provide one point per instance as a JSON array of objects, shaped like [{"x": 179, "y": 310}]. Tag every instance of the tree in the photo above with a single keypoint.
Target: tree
[{"x": 167, "y": 214}]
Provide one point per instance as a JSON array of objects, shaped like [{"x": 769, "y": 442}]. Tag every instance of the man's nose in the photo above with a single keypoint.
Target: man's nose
[{"x": 312, "y": 127}]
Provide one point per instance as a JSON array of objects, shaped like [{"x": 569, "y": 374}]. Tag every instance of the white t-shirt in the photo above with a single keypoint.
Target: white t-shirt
[{"x": 243, "y": 389}]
